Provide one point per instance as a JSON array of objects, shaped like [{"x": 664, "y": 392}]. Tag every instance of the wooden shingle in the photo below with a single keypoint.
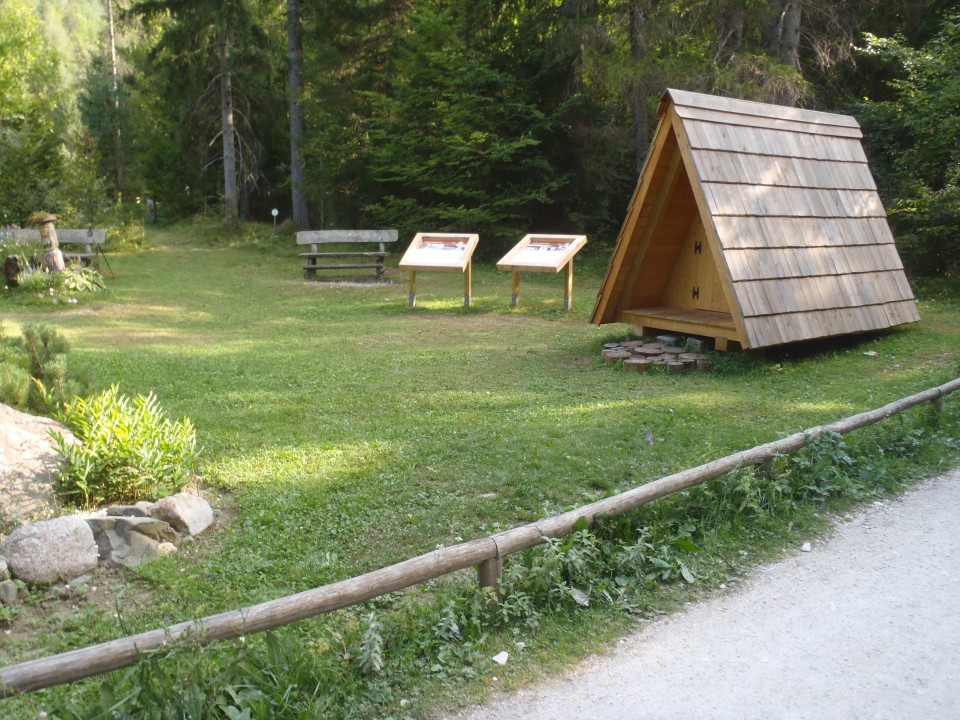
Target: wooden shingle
[{"x": 783, "y": 200}]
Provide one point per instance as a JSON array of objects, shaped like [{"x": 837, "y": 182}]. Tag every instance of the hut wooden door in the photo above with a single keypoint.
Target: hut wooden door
[{"x": 694, "y": 283}]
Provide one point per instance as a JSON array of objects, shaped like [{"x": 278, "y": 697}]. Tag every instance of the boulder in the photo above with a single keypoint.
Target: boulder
[
  {"x": 189, "y": 514},
  {"x": 28, "y": 459},
  {"x": 4, "y": 569},
  {"x": 50, "y": 550}
]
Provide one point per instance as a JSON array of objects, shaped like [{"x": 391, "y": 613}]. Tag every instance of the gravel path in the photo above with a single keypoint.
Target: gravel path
[{"x": 864, "y": 626}]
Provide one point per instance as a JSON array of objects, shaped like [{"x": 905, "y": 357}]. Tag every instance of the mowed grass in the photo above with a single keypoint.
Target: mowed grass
[{"x": 343, "y": 431}]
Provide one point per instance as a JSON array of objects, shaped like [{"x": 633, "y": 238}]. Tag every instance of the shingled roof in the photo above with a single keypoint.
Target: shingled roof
[{"x": 758, "y": 224}]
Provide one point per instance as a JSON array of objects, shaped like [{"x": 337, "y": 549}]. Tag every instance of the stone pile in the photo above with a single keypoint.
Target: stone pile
[
  {"x": 640, "y": 355},
  {"x": 68, "y": 547}
]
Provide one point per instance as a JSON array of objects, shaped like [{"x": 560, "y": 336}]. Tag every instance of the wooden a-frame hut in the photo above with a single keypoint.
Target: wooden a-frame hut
[{"x": 756, "y": 224}]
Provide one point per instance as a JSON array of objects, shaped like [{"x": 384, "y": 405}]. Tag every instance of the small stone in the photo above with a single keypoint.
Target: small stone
[
  {"x": 9, "y": 593},
  {"x": 805, "y": 547},
  {"x": 501, "y": 658},
  {"x": 188, "y": 514},
  {"x": 141, "y": 509},
  {"x": 151, "y": 527},
  {"x": 695, "y": 345},
  {"x": 82, "y": 580},
  {"x": 668, "y": 339},
  {"x": 165, "y": 548}
]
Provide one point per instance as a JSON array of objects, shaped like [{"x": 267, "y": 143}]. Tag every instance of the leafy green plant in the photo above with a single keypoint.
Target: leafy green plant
[
  {"x": 26, "y": 251},
  {"x": 371, "y": 648},
  {"x": 8, "y": 613},
  {"x": 37, "y": 281},
  {"x": 127, "y": 450},
  {"x": 82, "y": 279}
]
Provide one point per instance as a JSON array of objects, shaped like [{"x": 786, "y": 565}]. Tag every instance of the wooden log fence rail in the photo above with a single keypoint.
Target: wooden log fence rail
[{"x": 485, "y": 554}]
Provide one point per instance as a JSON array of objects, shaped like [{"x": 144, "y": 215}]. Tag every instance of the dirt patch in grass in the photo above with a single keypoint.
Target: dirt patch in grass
[{"x": 69, "y": 616}]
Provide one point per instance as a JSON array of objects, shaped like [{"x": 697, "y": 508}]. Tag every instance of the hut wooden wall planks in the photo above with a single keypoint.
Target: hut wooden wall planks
[{"x": 757, "y": 224}]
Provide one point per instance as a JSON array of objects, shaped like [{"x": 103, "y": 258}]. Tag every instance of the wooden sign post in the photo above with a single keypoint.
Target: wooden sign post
[
  {"x": 543, "y": 253},
  {"x": 440, "y": 252}
]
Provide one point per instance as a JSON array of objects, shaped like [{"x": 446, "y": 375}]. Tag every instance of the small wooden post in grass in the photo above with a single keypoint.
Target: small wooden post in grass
[
  {"x": 468, "y": 283},
  {"x": 766, "y": 469},
  {"x": 543, "y": 253},
  {"x": 412, "y": 294},
  {"x": 489, "y": 573}
]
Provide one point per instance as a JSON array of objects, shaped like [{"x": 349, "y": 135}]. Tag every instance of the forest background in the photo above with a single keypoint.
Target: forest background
[{"x": 463, "y": 115}]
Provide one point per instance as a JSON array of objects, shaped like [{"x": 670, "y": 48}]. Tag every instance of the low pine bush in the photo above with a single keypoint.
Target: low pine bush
[
  {"x": 34, "y": 374},
  {"x": 128, "y": 450}
]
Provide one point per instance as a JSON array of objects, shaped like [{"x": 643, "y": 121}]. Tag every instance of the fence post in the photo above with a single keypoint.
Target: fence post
[{"x": 489, "y": 573}]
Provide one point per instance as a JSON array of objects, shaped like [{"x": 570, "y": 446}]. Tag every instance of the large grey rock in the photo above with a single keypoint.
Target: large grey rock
[
  {"x": 50, "y": 550},
  {"x": 4, "y": 569},
  {"x": 189, "y": 514},
  {"x": 28, "y": 459}
]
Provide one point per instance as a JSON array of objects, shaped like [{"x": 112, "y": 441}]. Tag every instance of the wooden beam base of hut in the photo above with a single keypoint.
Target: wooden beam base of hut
[{"x": 648, "y": 321}]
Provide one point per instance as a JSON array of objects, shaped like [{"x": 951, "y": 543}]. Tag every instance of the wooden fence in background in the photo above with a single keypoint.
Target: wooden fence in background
[{"x": 485, "y": 554}]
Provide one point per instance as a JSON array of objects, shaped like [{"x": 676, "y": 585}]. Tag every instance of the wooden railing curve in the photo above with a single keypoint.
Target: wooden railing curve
[{"x": 485, "y": 554}]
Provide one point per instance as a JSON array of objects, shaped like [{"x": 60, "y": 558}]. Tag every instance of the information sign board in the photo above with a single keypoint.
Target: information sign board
[
  {"x": 440, "y": 252},
  {"x": 542, "y": 253}
]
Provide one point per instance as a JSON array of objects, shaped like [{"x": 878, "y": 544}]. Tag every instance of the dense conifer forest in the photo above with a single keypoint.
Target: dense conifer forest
[{"x": 499, "y": 117}]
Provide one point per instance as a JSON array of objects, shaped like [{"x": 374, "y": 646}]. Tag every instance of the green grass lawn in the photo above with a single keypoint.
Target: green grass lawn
[{"x": 343, "y": 431}]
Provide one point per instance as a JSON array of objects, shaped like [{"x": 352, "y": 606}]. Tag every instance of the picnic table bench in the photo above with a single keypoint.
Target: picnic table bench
[
  {"x": 321, "y": 259},
  {"x": 90, "y": 238}
]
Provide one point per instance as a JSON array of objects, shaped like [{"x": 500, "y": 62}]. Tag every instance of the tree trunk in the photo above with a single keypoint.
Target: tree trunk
[
  {"x": 301, "y": 209},
  {"x": 790, "y": 34},
  {"x": 115, "y": 98},
  {"x": 638, "y": 101},
  {"x": 732, "y": 38},
  {"x": 231, "y": 214},
  {"x": 781, "y": 34}
]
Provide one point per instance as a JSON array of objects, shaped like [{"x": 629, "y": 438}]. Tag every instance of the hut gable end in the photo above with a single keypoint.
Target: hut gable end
[{"x": 757, "y": 224}]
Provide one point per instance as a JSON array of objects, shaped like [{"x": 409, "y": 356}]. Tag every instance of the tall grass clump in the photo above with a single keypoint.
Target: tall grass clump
[{"x": 128, "y": 450}]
